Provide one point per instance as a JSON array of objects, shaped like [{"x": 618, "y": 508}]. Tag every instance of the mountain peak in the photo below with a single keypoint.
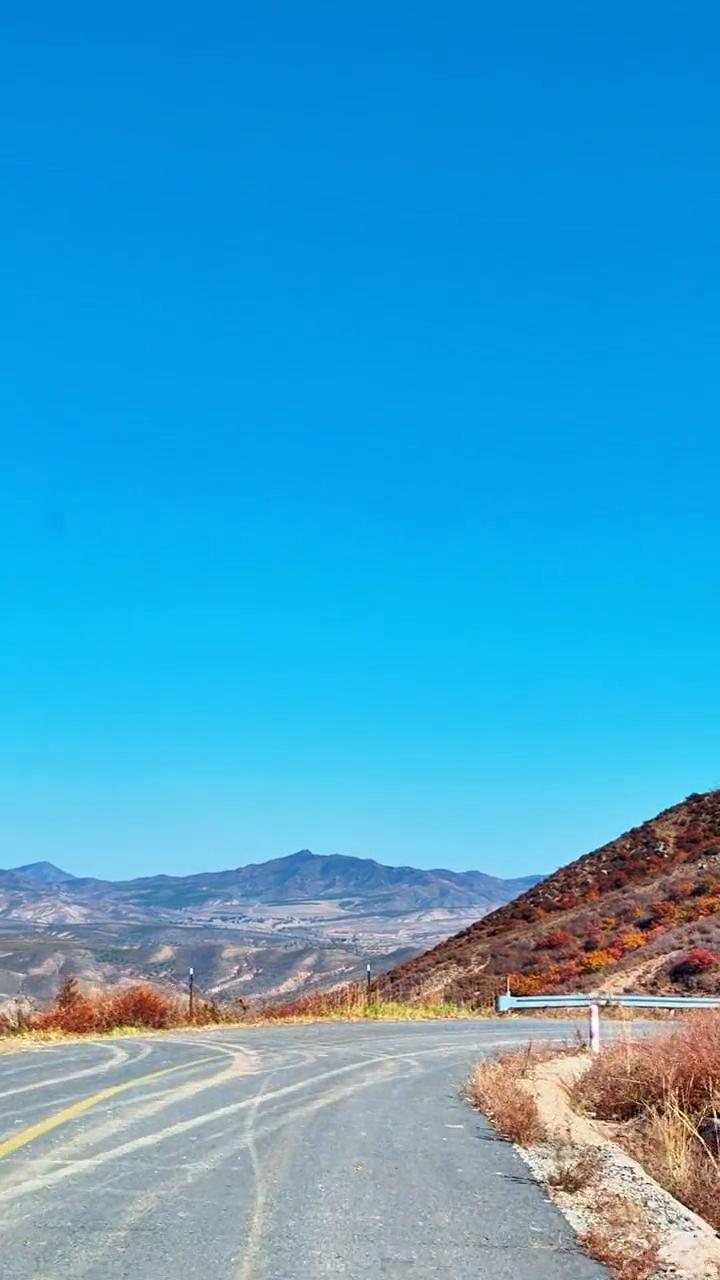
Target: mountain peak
[{"x": 46, "y": 872}]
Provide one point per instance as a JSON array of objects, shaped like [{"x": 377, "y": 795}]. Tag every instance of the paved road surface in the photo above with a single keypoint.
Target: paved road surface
[{"x": 282, "y": 1153}]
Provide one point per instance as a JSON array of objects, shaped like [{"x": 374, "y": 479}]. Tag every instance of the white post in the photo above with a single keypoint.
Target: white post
[{"x": 594, "y": 1028}]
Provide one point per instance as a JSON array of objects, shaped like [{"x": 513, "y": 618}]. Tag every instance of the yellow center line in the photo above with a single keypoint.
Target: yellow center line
[{"x": 58, "y": 1118}]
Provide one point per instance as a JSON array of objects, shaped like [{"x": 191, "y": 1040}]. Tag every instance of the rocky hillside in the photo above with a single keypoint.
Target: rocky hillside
[{"x": 642, "y": 912}]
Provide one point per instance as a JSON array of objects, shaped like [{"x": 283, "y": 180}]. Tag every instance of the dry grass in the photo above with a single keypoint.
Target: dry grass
[
  {"x": 629, "y": 1078},
  {"x": 663, "y": 1088},
  {"x": 351, "y": 1001},
  {"x": 576, "y": 1168},
  {"x": 495, "y": 1087},
  {"x": 624, "y": 1242},
  {"x": 621, "y": 1238},
  {"x": 668, "y": 1146},
  {"x": 141, "y": 1007}
]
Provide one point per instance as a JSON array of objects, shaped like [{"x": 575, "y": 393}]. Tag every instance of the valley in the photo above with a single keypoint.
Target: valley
[{"x": 271, "y": 929}]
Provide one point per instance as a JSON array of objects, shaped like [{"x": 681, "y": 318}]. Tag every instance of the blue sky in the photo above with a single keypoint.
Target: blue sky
[{"x": 360, "y": 445}]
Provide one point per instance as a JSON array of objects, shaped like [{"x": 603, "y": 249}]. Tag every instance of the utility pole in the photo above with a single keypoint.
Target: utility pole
[
  {"x": 368, "y": 982},
  {"x": 191, "y": 985}
]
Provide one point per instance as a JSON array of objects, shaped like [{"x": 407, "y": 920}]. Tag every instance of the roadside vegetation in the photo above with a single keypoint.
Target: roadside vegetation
[
  {"x": 354, "y": 1000},
  {"x": 662, "y": 1096},
  {"x": 615, "y": 1231},
  {"x": 495, "y": 1088},
  {"x": 657, "y": 1098},
  {"x": 143, "y": 1007},
  {"x": 138, "y": 1006}
]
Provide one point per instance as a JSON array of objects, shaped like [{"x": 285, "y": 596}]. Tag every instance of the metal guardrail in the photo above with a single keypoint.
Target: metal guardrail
[
  {"x": 594, "y": 1002},
  {"x": 506, "y": 1002}
]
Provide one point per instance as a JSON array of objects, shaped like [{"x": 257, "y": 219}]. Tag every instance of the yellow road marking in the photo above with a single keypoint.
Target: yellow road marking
[{"x": 58, "y": 1118}]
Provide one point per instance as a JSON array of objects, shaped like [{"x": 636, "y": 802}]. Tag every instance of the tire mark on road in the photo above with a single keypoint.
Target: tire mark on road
[
  {"x": 105, "y": 1129},
  {"x": 267, "y": 1168},
  {"x": 25, "y": 1136},
  {"x": 118, "y": 1057},
  {"x": 91, "y": 1163}
]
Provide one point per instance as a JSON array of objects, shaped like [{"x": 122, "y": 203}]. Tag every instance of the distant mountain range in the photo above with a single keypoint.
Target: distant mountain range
[
  {"x": 354, "y": 883},
  {"x": 640, "y": 913},
  {"x": 335, "y": 910}
]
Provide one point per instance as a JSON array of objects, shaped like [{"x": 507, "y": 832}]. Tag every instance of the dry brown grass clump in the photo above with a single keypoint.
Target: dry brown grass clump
[
  {"x": 624, "y": 1242},
  {"x": 495, "y": 1087},
  {"x": 668, "y": 1146},
  {"x": 627, "y": 1079},
  {"x": 576, "y": 1168},
  {"x": 664, "y": 1087}
]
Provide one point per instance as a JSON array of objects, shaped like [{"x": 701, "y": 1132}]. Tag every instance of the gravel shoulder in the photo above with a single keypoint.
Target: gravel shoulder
[{"x": 689, "y": 1248}]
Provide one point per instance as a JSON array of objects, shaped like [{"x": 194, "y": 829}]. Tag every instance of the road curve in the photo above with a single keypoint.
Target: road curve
[{"x": 280, "y": 1153}]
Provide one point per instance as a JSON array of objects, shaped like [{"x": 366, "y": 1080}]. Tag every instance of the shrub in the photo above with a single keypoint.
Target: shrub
[
  {"x": 666, "y": 1086},
  {"x": 68, "y": 993},
  {"x": 522, "y": 984},
  {"x": 702, "y": 887},
  {"x": 142, "y": 1006},
  {"x": 553, "y": 941},
  {"x": 663, "y": 912},
  {"x": 137, "y": 1005},
  {"x": 16, "y": 1018},
  {"x": 698, "y": 960},
  {"x": 628, "y": 1079},
  {"x": 680, "y": 890},
  {"x": 597, "y": 960},
  {"x": 633, "y": 939}
]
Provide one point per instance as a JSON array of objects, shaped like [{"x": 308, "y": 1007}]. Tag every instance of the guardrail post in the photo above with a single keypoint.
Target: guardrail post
[{"x": 594, "y": 1028}]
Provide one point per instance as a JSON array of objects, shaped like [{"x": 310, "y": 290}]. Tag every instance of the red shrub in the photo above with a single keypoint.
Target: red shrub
[
  {"x": 553, "y": 941},
  {"x": 698, "y": 960},
  {"x": 136, "y": 1006},
  {"x": 142, "y": 1006}
]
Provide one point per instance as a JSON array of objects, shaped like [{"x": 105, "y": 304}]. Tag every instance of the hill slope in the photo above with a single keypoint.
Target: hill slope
[{"x": 622, "y": 917}]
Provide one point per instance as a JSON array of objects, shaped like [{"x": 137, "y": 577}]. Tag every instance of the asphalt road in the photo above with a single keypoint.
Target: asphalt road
[{"x": 281, "y": 1153}]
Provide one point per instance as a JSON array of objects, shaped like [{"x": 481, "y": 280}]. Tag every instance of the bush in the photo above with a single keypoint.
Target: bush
[
  {"x": 666, "y": 1086},
  {"x": 137, "y": 1005},
  {"x": 143, "y": 1006},
  {"x": 698, "y": 960},
  {"x": 633, "y": 939},
  {"x": 575, "y": 1168},
  {"x": 79, "y": 1012},
  {"x": 597, "y": 960},
  {"x": 553, "y": 941}
]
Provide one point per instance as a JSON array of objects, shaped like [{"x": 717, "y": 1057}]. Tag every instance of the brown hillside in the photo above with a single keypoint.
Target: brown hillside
[{"x": 642, "y": 912}]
